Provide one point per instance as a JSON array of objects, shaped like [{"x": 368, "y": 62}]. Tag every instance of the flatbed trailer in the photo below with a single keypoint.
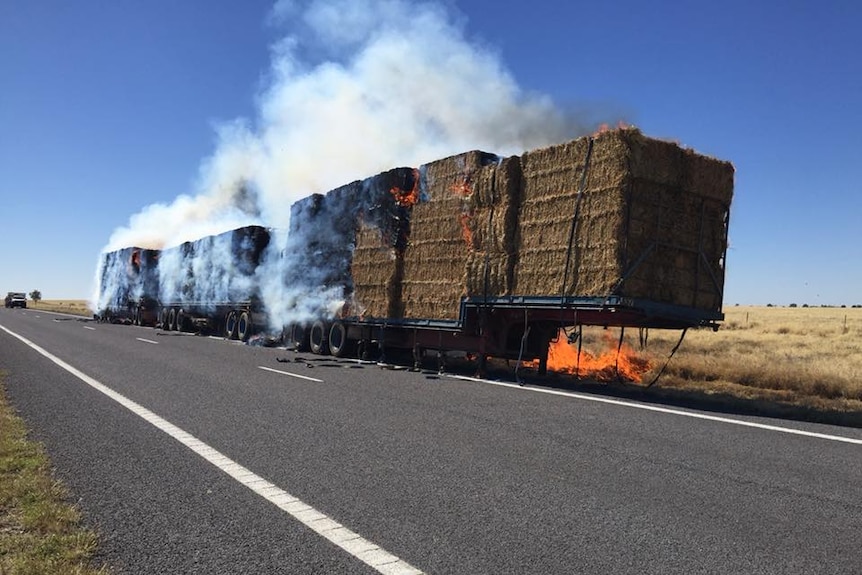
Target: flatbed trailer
[
  {"x": 514, "y": 327},
  {"x": 233, "y": 320}
]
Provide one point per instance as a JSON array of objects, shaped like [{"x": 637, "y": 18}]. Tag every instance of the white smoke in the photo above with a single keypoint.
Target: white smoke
[{"x": 355, "y": 87}]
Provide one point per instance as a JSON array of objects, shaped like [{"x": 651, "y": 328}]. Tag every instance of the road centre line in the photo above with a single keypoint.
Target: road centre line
[
  {"x": 369, "y": 553},
  {"x": 290, "y": 374},
  {"x": 667, "y": 410},
  {"x": 90, "y": 328},
  {"x": 147, "y": 340}
]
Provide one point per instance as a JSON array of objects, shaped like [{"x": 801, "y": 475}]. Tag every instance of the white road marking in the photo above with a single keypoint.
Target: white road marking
[
  {"x": 147, "y": 340},
  {"x": 364, "y": 550},
  {"x": 90, "y": 328},
  {"x": 290, "y": 374},
  {"x": 619, "y": 402}
]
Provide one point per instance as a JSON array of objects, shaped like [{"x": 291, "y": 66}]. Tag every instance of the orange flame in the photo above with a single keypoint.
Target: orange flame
[
  {"x": 563, "y": 358},
  {"x": 465, "y": 229},
  {"x": 462, "y": 189},
  {"x": 407, "y": 198},
  {"x": 604, "y": 127}
]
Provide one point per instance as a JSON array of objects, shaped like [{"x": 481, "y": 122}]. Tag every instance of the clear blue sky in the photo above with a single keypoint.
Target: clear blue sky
[{"x": 109, "y": 107}]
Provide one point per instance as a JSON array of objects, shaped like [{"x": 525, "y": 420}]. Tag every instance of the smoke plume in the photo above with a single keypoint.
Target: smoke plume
[{"x": 355, "y": 87}]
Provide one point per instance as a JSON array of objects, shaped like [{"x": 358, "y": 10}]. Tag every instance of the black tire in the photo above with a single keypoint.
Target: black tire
[
  {"x": 297, "y": 337},
  {"x": 163, "y": 319},
  {"x": 172, "y": 319},
  {"x": 339, "y": 345},
  {"x": 230, "y": 325},
  {"x": 318, "y": 338},
  {"x": 243, "y": 326},
  {"x": 181, "y": 320}
]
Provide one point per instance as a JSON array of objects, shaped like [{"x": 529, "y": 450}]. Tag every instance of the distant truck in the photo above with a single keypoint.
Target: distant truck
[{"x": 16, "y": 299}]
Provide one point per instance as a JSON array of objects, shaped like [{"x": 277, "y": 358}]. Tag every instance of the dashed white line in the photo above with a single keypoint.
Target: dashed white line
[
  {"x": 609, "y": 401},
  {"x": 290, "y": 374},
  {"x": 90, "y": 328},
  {"x": 147, "y": 340},
  {"x": 366, "y": 551}
]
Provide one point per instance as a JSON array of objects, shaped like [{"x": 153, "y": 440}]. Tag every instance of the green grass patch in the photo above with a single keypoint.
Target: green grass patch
[{"x": 40, "y": 531}]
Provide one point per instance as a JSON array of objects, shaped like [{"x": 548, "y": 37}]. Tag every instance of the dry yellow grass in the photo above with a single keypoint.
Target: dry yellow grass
[
  {"x": 72, "y": 306},
  {"x": 802, "y": 357}
]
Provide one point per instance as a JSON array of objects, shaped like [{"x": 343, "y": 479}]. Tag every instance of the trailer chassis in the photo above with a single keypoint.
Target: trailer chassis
[{"x": 514, "y": 327}]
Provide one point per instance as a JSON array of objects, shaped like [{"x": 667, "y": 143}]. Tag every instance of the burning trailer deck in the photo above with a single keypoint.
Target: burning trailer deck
[{"x": 472, "y": 253}]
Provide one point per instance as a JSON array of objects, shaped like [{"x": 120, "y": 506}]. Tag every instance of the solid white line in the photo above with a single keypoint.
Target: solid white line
[
  {"x": 621, "y": 403},
  {"x": 381, "y": 560},
  {"x": 290, "y": 374},
  {"x": 147, "y": 340},
  {"x": 90, "y": 328}
]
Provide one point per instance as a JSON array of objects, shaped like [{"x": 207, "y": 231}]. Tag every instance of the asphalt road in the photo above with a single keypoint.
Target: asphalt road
[{"x": 444, "y": 475}]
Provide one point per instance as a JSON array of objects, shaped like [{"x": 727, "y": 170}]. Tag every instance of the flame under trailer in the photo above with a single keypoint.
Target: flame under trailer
[{"x": 515, "y": 328}]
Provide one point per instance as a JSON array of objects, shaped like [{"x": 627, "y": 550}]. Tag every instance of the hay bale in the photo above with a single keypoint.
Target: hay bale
[
  {"x": 651, "y": 222},
  {"x": 376, "y": 269},
  {"x": 382, "y": 229},
  {"x": 455, "y": 218}
]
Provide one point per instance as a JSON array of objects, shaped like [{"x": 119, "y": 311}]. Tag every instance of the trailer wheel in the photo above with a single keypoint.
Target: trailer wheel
[
  {"x": 243, "y": 326},
  {"x": 318, "y": 338},
  {"x": 172, "y": 319},
  {"x": 181, "y": 320},
  {"x": 338, "y": 342},
  {"x": 297, "y": 337},
  {"x": 230, "y": 325}
]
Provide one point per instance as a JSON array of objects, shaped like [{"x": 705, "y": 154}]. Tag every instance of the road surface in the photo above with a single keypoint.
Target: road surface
[{"x": 196, "y": 455}]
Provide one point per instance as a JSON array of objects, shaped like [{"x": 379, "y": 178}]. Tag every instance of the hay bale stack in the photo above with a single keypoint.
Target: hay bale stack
[
  {"x": 436, "y": 258},
  {"x": 377, "y": 264},
  {"x": 127, "y": 274},
  {"x": 493, "y": 225},
  {"x": 377, "y": 269},
  {"x": 651, "y": 222}
]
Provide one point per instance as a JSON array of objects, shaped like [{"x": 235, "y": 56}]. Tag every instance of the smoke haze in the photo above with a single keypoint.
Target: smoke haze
[{"x": 355, "y": 87}]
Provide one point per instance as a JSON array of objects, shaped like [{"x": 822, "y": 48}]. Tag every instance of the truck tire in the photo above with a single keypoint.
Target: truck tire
[
  {"x": 181, "y": 320},
  {"x": 230, "y": 325},
  {"x": 338, "y": 342},
  {"x": 243, "y": 326},
  {"x": 318, "y": 338},
  {"x": 297, "y": 337},
  {"x": 172, "y": 319}
]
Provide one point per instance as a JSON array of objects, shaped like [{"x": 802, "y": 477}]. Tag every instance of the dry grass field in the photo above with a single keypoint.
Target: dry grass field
[
  {"x": 809, "y": 358},
  {"x": 71, "y": 306}
]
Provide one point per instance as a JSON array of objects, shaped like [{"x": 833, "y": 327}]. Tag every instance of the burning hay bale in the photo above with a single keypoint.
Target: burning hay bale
[
  {"x": 214, "y": 269},
  {"x": 441, "y": 238},
  {"x": 383, "y": 226},
  {"x": 127, "y": 275},
  {"x": 320, "y": 241},
  {"x": 651, "y": 222}
]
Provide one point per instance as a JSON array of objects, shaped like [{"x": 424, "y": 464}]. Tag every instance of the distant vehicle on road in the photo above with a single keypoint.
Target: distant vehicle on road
[{"x": 16, "y": 299}]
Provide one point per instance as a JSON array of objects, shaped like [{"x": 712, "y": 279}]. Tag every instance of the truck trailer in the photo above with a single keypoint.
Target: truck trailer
[{"x": 474, "y": 253}]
